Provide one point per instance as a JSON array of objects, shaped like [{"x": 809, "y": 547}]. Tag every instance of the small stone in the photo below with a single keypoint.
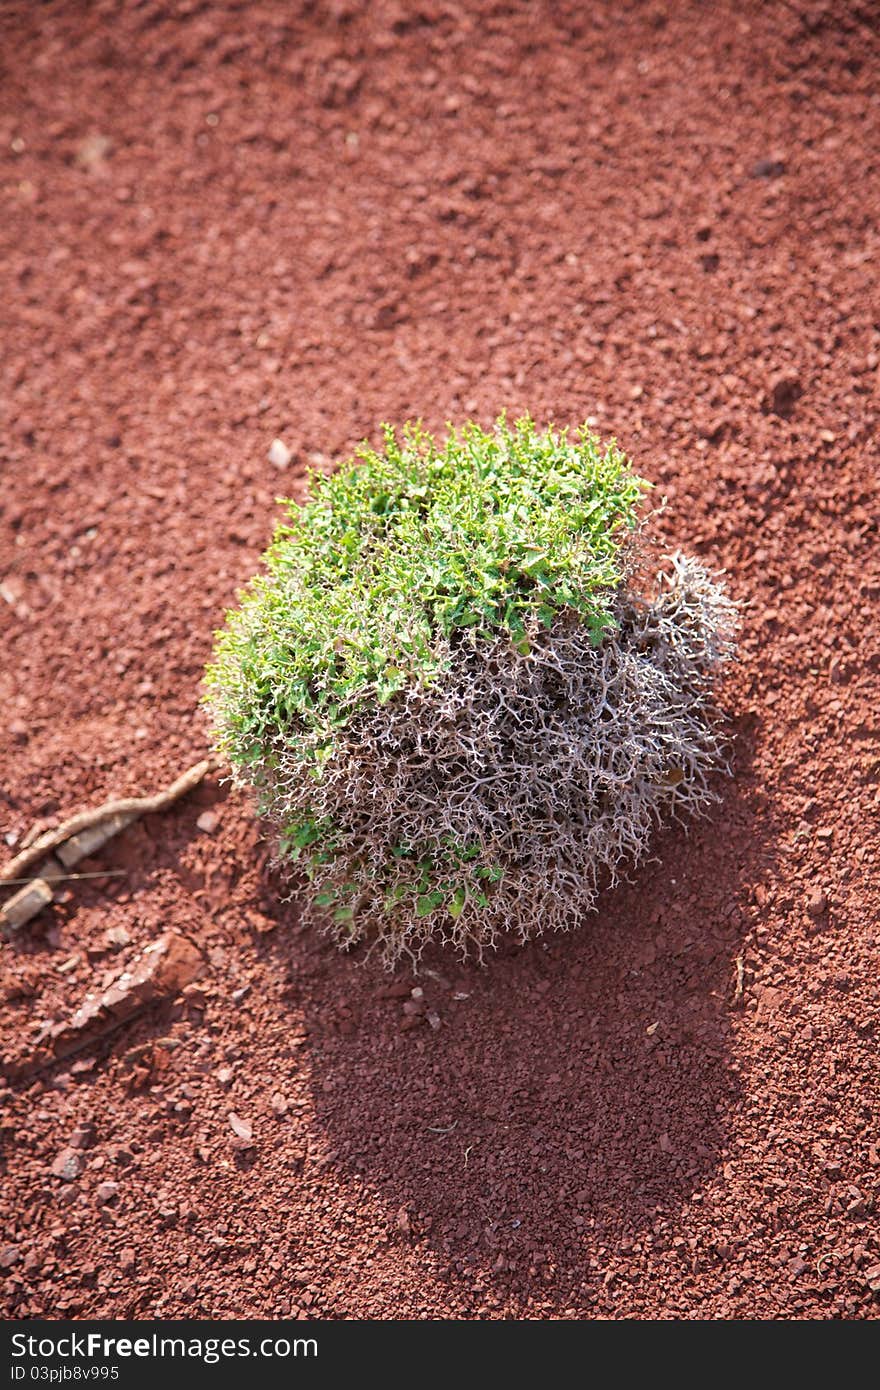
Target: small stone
[
  {"x": 9, "y": 1255},
  {"x": 387, "y": 315},
  {"x": 785, "y": 390},
  {"x": 403, "y": 1223},
  {"x": 399, "y": 990},
  {"x": 261, "y": 923},
  {"x": 208, "y": 822},
  {"x": 872, "y": 1278},
  {"x": 84, "y": 1136},
  {"x": 92, "y": 153},
  {"x": 19, "y": 730},
  {"x": 67, "y": 1165},
  {"x": 767, "y": 169},
  {"x": 827, "y": 436},
  {"x": 278, "y": 1103},
  {"x": 817, "y": 904},
  {"x": 224, "y": 1075},
  {"x": 279, "y": 454},
  {"x": 117, "y": 937},
  {"x": 127, "y": 1259},
  {"x": 105, "y": 1192},
  {"x": 240, "y": 1128},
  {"x": 434, "y": 1020}
]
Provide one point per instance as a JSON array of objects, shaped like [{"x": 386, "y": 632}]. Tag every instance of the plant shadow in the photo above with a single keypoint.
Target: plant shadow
[{"x": 575, "y": 1091}]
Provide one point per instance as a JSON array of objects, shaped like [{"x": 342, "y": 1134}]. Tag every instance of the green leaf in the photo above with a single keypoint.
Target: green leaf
[
  {"x": 456, "y": 906},
  {"x": 369, "y": 584},
  {"x": 428, "y": 902}
]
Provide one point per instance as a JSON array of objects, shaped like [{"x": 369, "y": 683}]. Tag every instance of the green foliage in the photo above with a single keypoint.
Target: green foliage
[
  {"x": 399, "y": 553},
  {"x": 411, "y": 882},
  {"x": 458, "y": 713}
]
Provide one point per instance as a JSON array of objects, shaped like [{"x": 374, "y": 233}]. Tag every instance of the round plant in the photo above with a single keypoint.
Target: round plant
[{"x": 460, "y": 709}]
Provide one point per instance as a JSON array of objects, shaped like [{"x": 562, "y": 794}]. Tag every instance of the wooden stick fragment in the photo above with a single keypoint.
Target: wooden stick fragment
[
  {"x": 128, "y": 806},
  {"x": 74, "y": 840},
  {"x": 55, "y": 877},
  {"x": 740, "y": 976},
  {"x": 26, "y": 903},
  {"x": 87, "y": 841}
]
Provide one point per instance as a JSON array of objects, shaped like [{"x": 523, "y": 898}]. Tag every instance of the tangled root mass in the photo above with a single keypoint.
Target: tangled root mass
[{"x": 501, "y": 797}]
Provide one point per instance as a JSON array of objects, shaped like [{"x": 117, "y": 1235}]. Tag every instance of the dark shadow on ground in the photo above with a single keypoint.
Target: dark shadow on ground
[{"x": 576, "y": 1084}]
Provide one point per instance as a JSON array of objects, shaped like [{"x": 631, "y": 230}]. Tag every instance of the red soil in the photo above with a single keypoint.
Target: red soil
[{"x": 226, "y": 223}]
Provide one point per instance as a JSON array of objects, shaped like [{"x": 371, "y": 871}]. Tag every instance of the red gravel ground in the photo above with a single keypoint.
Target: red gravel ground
[{"x": 228, "y": 222}]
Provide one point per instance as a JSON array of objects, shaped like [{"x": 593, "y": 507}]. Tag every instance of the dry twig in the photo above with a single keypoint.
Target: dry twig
[
  {"x": 74, "y": 840},
  {"x": 740, "y": 974},
  {"x": 127, "y": 806}
]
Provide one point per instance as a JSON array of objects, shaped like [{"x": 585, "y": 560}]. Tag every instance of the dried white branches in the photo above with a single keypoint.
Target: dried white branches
[{"x": 526, "y": 781}]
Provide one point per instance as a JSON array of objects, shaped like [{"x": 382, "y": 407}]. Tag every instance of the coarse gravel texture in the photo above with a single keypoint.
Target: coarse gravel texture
[{"x": 226, "y": 224}]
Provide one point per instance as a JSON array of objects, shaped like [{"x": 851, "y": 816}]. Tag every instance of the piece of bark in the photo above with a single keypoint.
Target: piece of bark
[
  {"x": 51, "y": 869},
  {"x": 131, "y": 806},
  {"x": 18, "y": 910},
  {"x": 162, "y": 971},
  {"x": 30, "y": 900},
  {"x": 88, "y": 841},
  {"x": 24, "y": 905}
]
